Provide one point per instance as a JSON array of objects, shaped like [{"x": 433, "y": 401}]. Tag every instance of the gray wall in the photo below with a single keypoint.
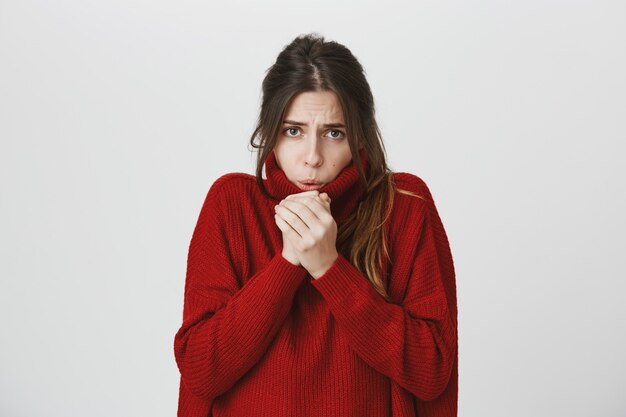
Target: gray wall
[{"x": 116, "y": 117}]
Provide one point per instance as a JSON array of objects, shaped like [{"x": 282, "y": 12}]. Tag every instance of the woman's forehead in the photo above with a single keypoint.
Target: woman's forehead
[{"x": 319, "y": 105}]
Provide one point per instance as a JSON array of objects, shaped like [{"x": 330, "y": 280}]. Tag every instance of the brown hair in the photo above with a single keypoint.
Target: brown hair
[{"x": 309, "y": 63}]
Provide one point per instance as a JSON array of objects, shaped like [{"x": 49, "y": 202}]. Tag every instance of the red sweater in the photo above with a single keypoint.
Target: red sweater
[{"x": 261, "y": 337}]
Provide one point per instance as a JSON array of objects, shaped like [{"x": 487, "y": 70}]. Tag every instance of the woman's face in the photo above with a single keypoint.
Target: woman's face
[{"x": 312, "y": 144}]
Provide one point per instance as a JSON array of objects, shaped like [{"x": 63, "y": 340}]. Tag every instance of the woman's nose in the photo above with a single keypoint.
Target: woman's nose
[{"x": 313, "y": 156}]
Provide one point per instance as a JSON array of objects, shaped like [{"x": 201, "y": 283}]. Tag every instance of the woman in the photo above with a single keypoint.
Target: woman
[{"x": 328, "y": 288}]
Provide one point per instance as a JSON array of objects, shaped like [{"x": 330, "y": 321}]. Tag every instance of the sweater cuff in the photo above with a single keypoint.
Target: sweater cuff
[
  {"x": 291, "y": 275},
  {"x": 346, "y": 289}
]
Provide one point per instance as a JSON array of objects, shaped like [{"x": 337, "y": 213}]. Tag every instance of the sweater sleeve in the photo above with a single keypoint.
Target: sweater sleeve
[
  {"x": 226, "y": 326},
  {"x": 415, "y": 343}
]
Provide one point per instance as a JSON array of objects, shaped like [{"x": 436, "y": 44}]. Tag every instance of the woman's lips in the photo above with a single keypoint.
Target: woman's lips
[{"x": 309, "y": 186}]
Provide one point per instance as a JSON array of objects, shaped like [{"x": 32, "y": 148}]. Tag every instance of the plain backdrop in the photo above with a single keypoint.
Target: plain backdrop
[{"x": 116, "y": 117}]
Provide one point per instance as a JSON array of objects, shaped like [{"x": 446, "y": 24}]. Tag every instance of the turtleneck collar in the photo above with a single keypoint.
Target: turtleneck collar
[{"x": 344, "y": 191}]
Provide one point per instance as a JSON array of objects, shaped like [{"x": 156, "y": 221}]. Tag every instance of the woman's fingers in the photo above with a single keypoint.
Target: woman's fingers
[
  {"x": 304, "y": 193},
  {"x": 311, "y": 193},
  {"x": 293, "y": 220},
  {"x": 306, "y": 213},
  {"x": 308, "y": 209},
  {"x": 305, "y": 217},
  {"x": 322, "y": 198},
  {"x": 284, "y": 227}
]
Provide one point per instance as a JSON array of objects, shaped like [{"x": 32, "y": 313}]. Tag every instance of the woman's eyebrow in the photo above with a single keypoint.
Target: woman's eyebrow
[{"x": 293, "y": 122}]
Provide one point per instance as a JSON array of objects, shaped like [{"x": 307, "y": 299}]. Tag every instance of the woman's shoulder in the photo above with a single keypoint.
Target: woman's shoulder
[
  {"x": 411, "y": 187},
  {"x": 232, "y": 181},
  {"x": 229, "y": 186}
]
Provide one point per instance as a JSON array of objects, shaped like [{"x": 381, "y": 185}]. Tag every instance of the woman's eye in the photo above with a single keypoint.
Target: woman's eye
[
  {"x": 292, "y": 131},
  {"x": 336, "y": 134}
]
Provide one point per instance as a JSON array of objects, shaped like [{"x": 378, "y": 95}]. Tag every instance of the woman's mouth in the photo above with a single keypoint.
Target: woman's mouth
[{"x": 309, "y": 185}]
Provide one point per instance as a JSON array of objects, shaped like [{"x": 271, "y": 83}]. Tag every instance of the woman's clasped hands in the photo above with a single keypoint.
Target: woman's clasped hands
[{"x": 309, "y": 231}]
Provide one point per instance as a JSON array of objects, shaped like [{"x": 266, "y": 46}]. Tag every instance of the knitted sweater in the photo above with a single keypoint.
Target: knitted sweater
[{"x": 261, "y": 337}]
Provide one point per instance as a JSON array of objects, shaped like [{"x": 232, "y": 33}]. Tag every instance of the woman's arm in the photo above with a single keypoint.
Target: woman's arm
[
  {"x": 227, "y": 328},
  {"x": 415, "y": 343}
]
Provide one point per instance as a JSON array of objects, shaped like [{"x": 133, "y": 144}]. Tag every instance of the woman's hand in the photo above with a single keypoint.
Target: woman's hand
[
  {"x": 289, "y": 252},
  {"x": 309, "y": 231}
]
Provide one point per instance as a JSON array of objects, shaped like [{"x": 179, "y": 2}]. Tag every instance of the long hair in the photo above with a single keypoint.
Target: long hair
[{"x": 309, "y": 63}]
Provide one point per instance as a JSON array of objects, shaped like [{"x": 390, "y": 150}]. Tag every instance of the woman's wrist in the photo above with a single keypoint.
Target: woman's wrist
[{"x": 291, "y": 259}]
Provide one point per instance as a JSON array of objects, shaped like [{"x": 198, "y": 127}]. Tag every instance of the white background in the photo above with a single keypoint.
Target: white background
[{"x": 117, "y": 116}]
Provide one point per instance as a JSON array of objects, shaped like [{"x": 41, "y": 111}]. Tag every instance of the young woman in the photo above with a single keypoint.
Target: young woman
[{"x": 328, "y": 287}]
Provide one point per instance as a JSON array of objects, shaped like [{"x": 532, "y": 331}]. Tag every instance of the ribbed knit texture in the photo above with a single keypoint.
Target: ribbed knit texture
[{"x": 261, "y": 337}]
